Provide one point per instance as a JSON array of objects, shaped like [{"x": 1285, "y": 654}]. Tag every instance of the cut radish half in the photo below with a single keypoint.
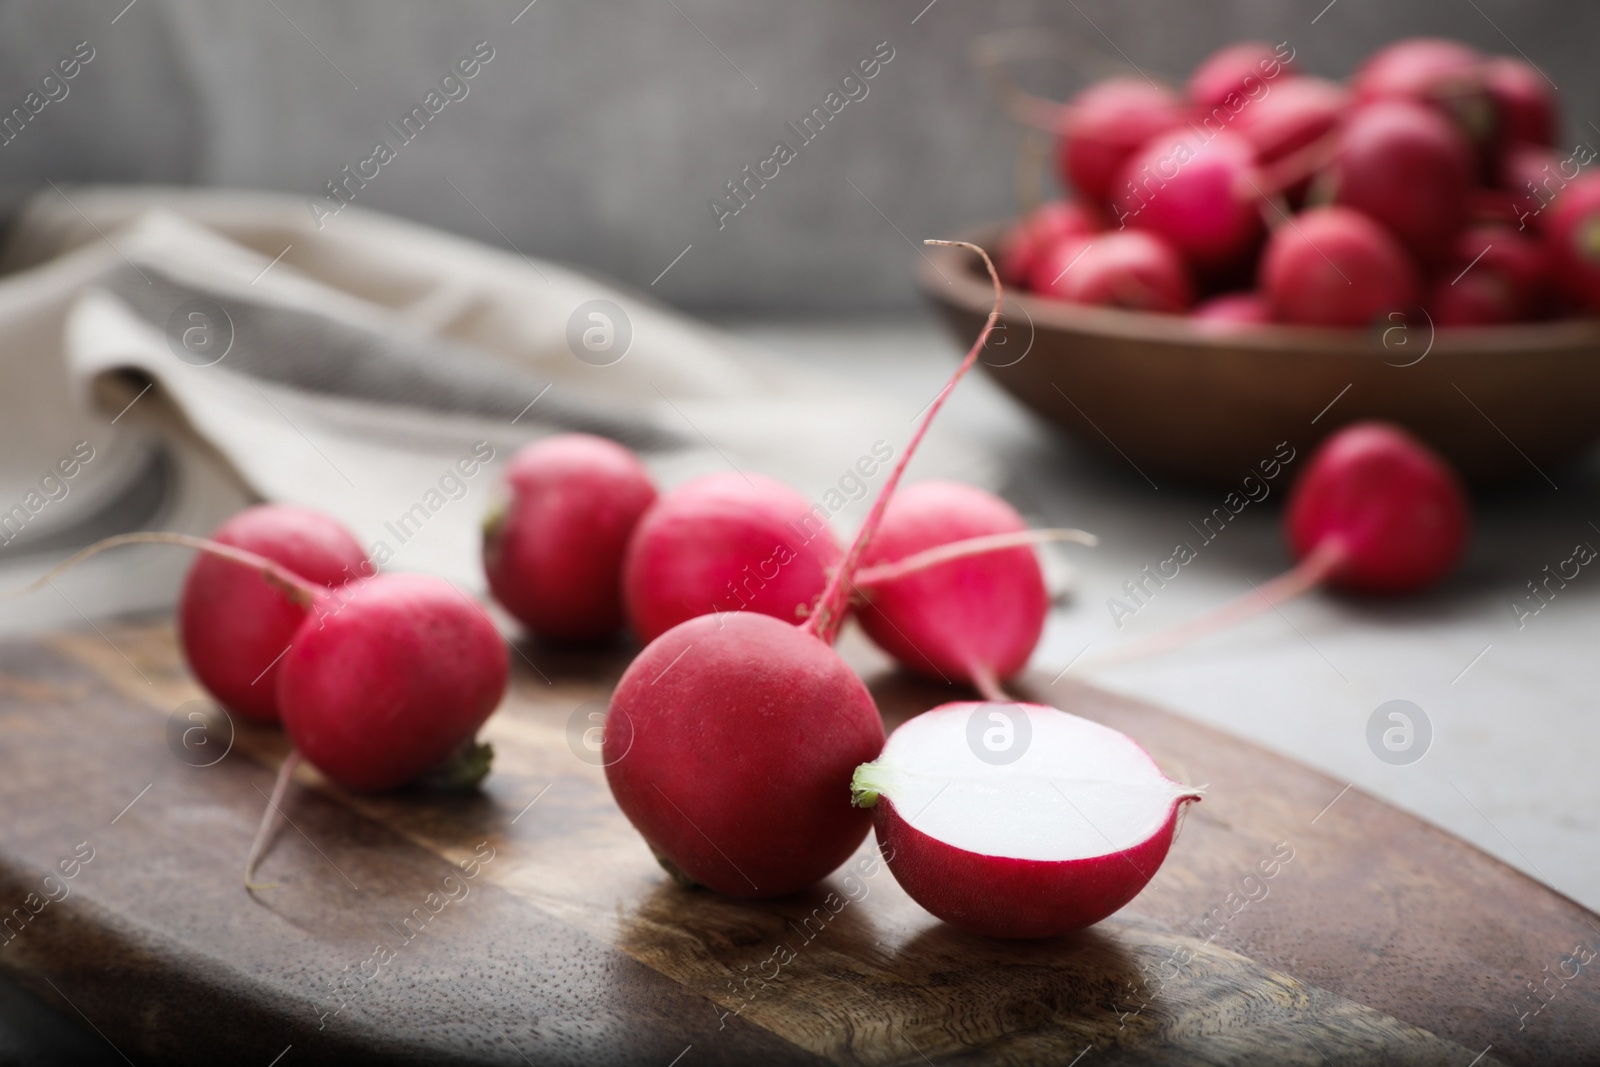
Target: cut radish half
[{"x": 1019, "y": 820}]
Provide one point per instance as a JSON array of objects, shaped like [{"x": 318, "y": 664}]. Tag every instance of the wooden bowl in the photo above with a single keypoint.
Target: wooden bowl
[{"x": 1169, "y": 395}]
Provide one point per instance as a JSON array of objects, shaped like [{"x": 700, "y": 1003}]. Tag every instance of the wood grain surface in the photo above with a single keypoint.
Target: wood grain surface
[{"x": 529, "y": 923}]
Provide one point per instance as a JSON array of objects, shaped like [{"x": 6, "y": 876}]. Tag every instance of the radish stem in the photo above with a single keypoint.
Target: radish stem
[
  {"x": 259, "y": 845},
  {"x": 972, "y": 546},
  {"x": 1305, "y": 575},
  {"x": 824, "y": 623}
]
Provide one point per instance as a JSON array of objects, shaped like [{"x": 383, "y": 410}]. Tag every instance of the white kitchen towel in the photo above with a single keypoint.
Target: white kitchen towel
[{"x": 170, "y": 355}]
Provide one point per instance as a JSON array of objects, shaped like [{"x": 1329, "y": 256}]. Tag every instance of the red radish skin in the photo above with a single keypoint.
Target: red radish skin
[
  {"x": 1127, "y": 269},
  {"x": 941, "y": 811},
  {"x": 975, "y": 619},
  {"x": 1474, "y": 300},
  {"x": 1105, "y": 124},
  {"x": 1445, "y": 75},
  {"x": 1507, "y": 262},
  {"x": 708, "y": 720},
  {"x": 1525, "y": 106},
  {"x": 1407, "y": 167},
  {"x": 234, "y": 626},
  {"x": 389, "y": 678},
  {"x": 722, "y": 543},
  {"x": 1573, "y": 235},
  {"x": 1390, "y": 508},
  {"x": 1238, "y": 70},
  {"x": 1336, "y": 267},
  {"x": 1293, "y": 130},
  {"x": 1047, "y": 225},
  {"x": 1234, "y": 309},
  {"x": 1200, "y": 195},
  {"x": 553, "y": 556}
]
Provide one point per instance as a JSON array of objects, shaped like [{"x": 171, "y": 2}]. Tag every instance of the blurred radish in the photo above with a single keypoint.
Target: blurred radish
[
  {"x": 1127, "y": 269},
  {"x": 722, "y": 543},
  {"x": 1374, "y": 511},
  {"x": 553, "y": 554},
  {"x": 1234, "y": 309},
  {"x": 1474, "y": 300},
  {"x": 1514, "y": 263},
  {"x": 1525, "y": 105},
  {"x": 731, "y": 740},
  {"x": 1335, "y": 267},
  {"x": 1408, "y": 168},
  {"x": 1446, "y": 75},
  {"x": 1201, "y": 196},
  {"x": 1291, "y": 130},
  {"x": 1046, "y": 226},
  {"x": 1019, "y": 820},
  {"x": 1572, "y": 231},
  {"x": 1239, "y": 70},
  {"x": 1534, "y": 176},
  {"x": 234, "y": 624},
  {"x": 1105, "y": 124}
]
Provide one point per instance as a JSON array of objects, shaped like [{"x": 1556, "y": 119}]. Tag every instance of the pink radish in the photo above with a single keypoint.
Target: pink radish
[
  {"x": 722, "y": 543},
  {"x": 1505, "y": 261},
  {"x": 1534, "y": 177},
  {"x": 1047, "y": 225},
  {"x": 1406, "y": 167},
  {"x": 1105, "y": 124},
  {"x": 974, "y": 619},
  {"x": 1292, "y": 131},
  {"x": 234, "y": 625},
  {"x": 1238, "y": 70},
  {"x": 553, "y": 554},
  {"x": 1234, "y": 309},
  {"x": 389, "y": 679},
  {"x": 1124, "y": 269},
  {"x": 1446, "y": 75},
  {"x": 1573, "y": 235},
  {"x": 1524, "y": 103},
  {"x": 1374, "y": 511},
  {"x": 1202, "y": 195},
  {"x": 1336, "y": 267},
  {"x": 1018, "y": 820},
  {"x": 731, "y": 740},
  {"x": 1474, "y": 300}
]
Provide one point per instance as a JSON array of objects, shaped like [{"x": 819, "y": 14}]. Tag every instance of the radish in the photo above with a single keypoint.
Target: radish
[
  {"x": 234, "y": 625},
  {"x": 723, "y": 543},
  {"x": 1446, "y": 75},
  {"x": 1405, "y": 166},
  {"x": 1105, "y": 124},
  {"x": 1474, "y": 300},
  {"x": 1125, "y": 269},
  {"x": 1375, "y": 511},
  {"x": 1573, "y": 235},
  {"x": 1524, "y": 102},
  {"x": 731, "y": 741},
  {"x": 1047, "y": 225},
  {"x": 1018, "y": 820},
  {"x": 553, "y": 554},
  {"x": 389, "y": 679},
  {"x": 1534, "y": 177},
  {"x": 974, "y": 619},
  {"x": 1236, "y": 71},
  {"x": 1234, "y": 309},
  {"x": 1292, "y": 131},
  {"x": 1506, "y": 262},
  {"x": 1200, "y": 194},
  {"x": 1335, "y": 267}
]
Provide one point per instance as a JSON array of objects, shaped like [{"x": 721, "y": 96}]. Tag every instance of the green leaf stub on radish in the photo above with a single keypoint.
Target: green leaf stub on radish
[{"x": 1053, "y": 839}]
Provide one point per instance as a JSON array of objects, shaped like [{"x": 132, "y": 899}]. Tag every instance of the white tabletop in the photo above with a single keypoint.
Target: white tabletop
[{"x": 1515, "y": 719}]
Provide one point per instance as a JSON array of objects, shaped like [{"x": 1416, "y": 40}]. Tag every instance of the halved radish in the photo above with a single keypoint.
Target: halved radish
[{"x": 1019, "y": 820}]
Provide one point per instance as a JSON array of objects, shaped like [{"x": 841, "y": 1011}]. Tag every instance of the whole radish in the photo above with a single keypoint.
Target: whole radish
[
  {"x": 1336, "y": 267},
  {"x": 1127, "y": 269},
  {"x": 1407, "y": 167},
  {"x": 1247, "y": 71},
  {"x": 234, "y": 625},
  {"x": 1019, "y": 820},
  {"x": 389, "y": 678},
  {"x": 1234, "y": 309},
  {"x": 1105, "y": 124},
  {"x": 1388, "y": 510},
  {"x": 731, "y": 739},
  {"x": 1047, "y": 225},
  {"x": 1292, "y": 130},
  {"x": 553, "y": 554},
  {"x": 1506, "y": 260},
  {"x": 1201, "y": 196},
  {"x": 1572, "y": 233},
  {"x": 1524, "y": 102},
  {"x": 723, "y": 543},
  {"x": 1533, "y": 177},
  {"x": 974, "y": 619},
  {"x": 1445, "y": 75},
  {"x": 1473, "y": 300}
]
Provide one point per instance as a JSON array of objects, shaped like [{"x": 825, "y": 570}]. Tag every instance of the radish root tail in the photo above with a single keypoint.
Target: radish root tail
[
  {"x": 988, "y": 686},
  {"x": 296, "y": 588},
  {"x": 1305, "y": 575},
  {"x": 833, "y": 603},
  {"x": 269, "y": 823}
]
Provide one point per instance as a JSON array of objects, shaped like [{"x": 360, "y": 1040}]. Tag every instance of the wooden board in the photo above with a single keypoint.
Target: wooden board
[{"x": 1377, "y": 939}]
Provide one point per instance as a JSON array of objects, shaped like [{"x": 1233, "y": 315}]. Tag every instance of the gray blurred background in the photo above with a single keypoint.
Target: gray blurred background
[{"x": 599, "y": 132}]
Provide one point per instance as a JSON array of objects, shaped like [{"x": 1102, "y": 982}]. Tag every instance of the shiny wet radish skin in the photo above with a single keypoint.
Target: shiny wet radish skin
[
  {"x": 554, "y": 557},
  {"x": 730, "y": 745},
  {"x": 233, "y": 625},
  {"x": 387, "y": 679}
]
